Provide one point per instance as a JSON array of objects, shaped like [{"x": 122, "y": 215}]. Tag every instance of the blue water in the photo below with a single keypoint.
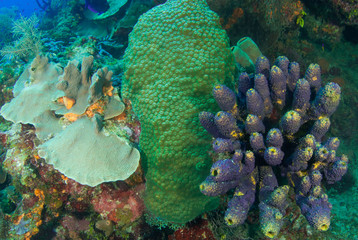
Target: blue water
[{"x": 26, "y": 7}]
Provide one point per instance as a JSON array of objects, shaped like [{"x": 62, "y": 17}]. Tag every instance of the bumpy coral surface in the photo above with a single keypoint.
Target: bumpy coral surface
[
  {"x": 177, "y": 52},
  {"x": 275, "y": 125}
]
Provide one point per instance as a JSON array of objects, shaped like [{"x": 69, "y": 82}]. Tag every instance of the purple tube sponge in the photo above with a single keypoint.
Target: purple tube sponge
[
  {"x": 261, "y": 86},
  {"x": 332, "y": 143},
  {"x": 319, "y": 216},
  {"x": 271, "y": 220},
  {"x": 254, "y": 103},
  {"x": 257, "y": 142},
  {"x": 213, "y": 188},
  {"x": 244, "y": 83},
  {"x": 316, "y": 191},
  {"x": 300, "y": 158},
  {"x": 272, "y": 211},
  {"x": 290, "y": 123},
  {"x": 278, "y": 198},
  {"x": 274, "y": 138},
  {"x": 293, "y": 75},
  {"x": 311, "y": 199},
  {"x": 295, "y": 150},
  {"x": 301, "y": 96},
  {"x": 331, "y": 156},
  {"x": 268, "y": 182},
  {"x": 321, "y": 154},
  {"x": 336, "y": 170},
  {"x": 225, "y": 97},
  {"x": 249, "y": 162},
  {"x": 320, "y": 128},
  {"x": 238, "y": 156},
  {"x": 254, "y": 124},
  {"x": 240, "y": 204},
  {"x": 316, "y": 210},
  {"x": 226, "y": 125},
  {"x": 313, "y": 76},
  {"x": 237, "y": 215},
  {"x": 207, "y": 121},
  {"x": 315, "y": 178},
  {"x": 273, "y": 156},
  {"x": 278, "y": 86},
  {"x": 307, "y": 141},
  {"x": 327, "y": 100},
  {"x": 283, "y": 63},
  {"x": 221, "y": 145},
  {"x": 262, "y": 66},
  {"x": 303, "y": 185},
  {"x": 225, "y": 170}
]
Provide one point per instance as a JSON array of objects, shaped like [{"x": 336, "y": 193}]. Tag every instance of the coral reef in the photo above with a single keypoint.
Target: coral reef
[
  {"x": 60, "y": 19},
  {"x": 50, "y": 7},
  {"x": 266, "y": 22},
  {"x": 342, "y": 12},
  {"x": 7, "y": 16},
  {"x": 113, "y": 20},
  {"x": 275, "y": 125},
  {"x": 41, "y": 202},
  {"x": 199, "y": 230},
  {"x": 273, "y": 199},
  {"x": 172, "y": 62},
  {"x": 347, "y": 10},
  {"x": 327, "y": 33},
  {"x": 60, "y": 106},
  {"x": 28, "y": 39},
  {"x": 9, "y": 72}
]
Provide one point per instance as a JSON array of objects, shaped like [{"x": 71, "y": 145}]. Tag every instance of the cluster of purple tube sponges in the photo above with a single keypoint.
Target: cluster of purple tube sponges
[{"x": 254, "y": 145}]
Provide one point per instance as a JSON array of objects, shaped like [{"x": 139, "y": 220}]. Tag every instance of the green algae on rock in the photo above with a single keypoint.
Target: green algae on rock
[{"x": 177, "y": 52}]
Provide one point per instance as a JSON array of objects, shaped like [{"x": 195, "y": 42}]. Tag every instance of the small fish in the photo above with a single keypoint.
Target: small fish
[{"x": 97, "y": 6}]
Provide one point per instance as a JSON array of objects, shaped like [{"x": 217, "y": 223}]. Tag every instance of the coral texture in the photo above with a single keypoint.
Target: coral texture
[
  {"x": 254, "y": 146},
  {"x": 177, "y": 52},
  {"x": 87, "y": 158},
  {"x": 70, "y": 117},
  {"x": 40, "y": 79},
  {"x": 28, "y": 43}
]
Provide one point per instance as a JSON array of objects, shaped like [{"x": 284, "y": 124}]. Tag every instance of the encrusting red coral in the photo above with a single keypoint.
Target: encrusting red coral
[{"x": 111, "y": 203}]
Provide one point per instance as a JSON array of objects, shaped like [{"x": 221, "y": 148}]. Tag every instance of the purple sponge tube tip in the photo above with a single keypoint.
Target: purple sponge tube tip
[
  {"x": 313, "y": 76},
  {"x": 278, "y": 86},
  {"x": 261, "y": 86},
  {"x": 254, "y": 103},
  {"x": 293, "y": 75},
  {"x": 262, "y": 66},
  {"x": 301, "y": 96},
  {"x": 225, "y": 97},
  {"x": 207, "y": 121},
  {"x": 226, "y": 124},
  {"x": 274, "y": 138}
]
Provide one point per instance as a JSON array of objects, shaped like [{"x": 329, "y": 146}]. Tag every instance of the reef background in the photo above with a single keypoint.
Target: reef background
[{"x": 323, "y": 32}]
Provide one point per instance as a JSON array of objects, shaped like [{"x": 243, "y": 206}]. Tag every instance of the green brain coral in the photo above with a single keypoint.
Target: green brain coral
[{"x": 177, "y": 52}]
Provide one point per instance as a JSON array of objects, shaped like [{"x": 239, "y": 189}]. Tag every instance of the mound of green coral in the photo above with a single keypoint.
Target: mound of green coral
[{"x": 177, "y": 52}]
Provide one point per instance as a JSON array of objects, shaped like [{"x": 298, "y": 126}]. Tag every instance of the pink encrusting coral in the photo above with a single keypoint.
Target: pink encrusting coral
[{"x": 119, "y": 205}]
